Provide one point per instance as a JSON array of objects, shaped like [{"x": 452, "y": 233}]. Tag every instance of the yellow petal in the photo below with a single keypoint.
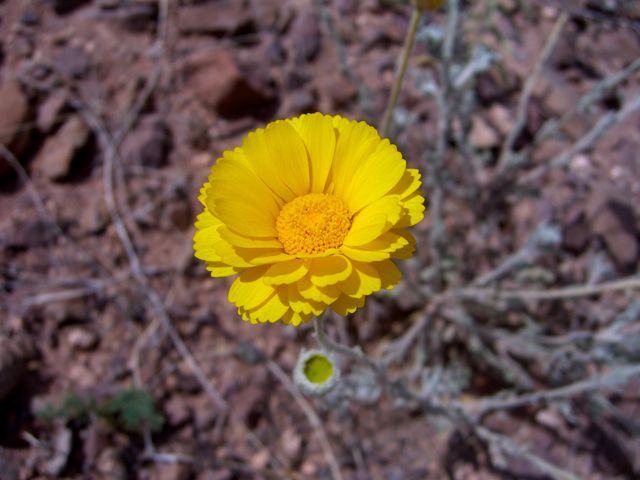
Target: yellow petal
[
  {"x": 356, "y": 142},
  {"x": 408, "y": 184},
  {"x": 345, "y": 305},
  {"x": 304, "y": 305},
  {"x": 389, "y": 273},
  {"x": 308, "y": 290},
  {"x": 287, "y": 272},
  {"x": 364, "y": 280},
  {"x": 206, "y": 237},
  {"x": 360, "y": 255},
  {"x": 405, "y": 251},
  {"x": 381, "y": 172},
  {"x": 412, "y": 208},
  {"x": 244, "y": 241},
  {"x": 279, "y": 157},
  {"x": 228, "y": 254},
  {"x": 241, "y": 200},
  {"x": 319, "y": 137},
  {"x": 271, "y": 310},
  {"x": 248, "y": 290},
  {"x": 203, "y": 193},
  {"x": 295, "y": 318},
  {"x": 249, "y": 257},
  {"x": 373, "y": 221},
  {"x": 329, "y": 270},
  {"x": 219, "y": 269}
]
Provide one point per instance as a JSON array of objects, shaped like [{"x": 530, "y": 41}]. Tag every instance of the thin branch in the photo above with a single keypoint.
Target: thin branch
[
  {"x": 553, "y": 294},
  {"x": 585, "y": 142},
  {"x": 527, "y": 91},
  {"x": 597, "y": 92},
  {"x": 616, "y": 377},
  {"x": 508, "y": 446},
  {"x": 311, "y": 415}
]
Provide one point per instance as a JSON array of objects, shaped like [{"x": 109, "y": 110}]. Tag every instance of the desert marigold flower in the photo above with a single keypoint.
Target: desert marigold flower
[{"x": 309, "y": 211}]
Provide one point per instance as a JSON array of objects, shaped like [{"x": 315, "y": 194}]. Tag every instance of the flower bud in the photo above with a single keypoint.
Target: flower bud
[{"x": 316, "y": 372}]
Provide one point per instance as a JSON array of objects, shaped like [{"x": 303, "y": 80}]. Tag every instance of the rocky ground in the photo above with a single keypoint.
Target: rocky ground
[{"x": 138, "y": 98}]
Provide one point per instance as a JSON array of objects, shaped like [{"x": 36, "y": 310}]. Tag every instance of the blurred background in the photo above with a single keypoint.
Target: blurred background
[{"x": 512, "y": 344}]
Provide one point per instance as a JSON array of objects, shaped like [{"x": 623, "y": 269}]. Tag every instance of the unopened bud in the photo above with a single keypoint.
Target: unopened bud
[{"x": 316, "y": 372}]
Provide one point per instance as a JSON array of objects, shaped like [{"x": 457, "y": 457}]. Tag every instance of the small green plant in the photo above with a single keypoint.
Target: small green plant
[{"x": 130, "y": 410}]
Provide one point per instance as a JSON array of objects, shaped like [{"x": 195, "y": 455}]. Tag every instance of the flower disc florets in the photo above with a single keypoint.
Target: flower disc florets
[
  {"x": 310, "y": 213},
  {"x": 313, "y": 223}
]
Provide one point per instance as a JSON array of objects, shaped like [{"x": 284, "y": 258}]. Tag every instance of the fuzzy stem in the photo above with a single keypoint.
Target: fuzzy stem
[{"x": 402, "y": 66}]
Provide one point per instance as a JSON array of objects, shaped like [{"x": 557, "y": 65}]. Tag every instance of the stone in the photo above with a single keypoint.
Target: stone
[
  {"x": 611, "y": 217},
  {"x": 8, "y": 471},
  {"x": 55, "y": 158},
  {"x": 50, "y": 111},
  {"x": 303, "y": 101},
  {"x": 93, "y": 219},
  {"x": 214, "y": 18},
  {"x": 14, "y": 106},
  {"x": 275, "y": 53},
  {"x": 501, "y": 118},
  {"x": 66, "y": 6},
  {"x": 176, "y": 412},
  {"x": 306, "y": 37},
  {"x": 110, "y": 465},
  {"x": 148, "y": 145},
  {"x": 340, "y": 90},
  {"x": 81, "y": 338},
  {"x": 250, "y": 404},
  {"x": 72, "y": 62},
  {"x": 291, "y": 442},
  {"x": 180, "y": 214},
  {"x": 33, "y": 234},
  {"x": 62, "y": 442},
  {"x": 482, "y": 134},
  {"x": 224, "y": 474},
  {"x": 219, "y": 82}
]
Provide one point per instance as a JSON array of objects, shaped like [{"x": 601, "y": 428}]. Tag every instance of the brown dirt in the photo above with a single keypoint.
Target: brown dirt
[{"x": 73, "y": 70}]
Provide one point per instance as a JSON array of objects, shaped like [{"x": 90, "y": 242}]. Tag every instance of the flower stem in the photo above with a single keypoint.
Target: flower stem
[
  {"x": 353, "y": 352},
  {"x": 402, "y": 66}
]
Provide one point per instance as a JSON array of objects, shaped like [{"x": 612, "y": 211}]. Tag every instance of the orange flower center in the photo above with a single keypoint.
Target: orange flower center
[{"x": 313, "y": 223}]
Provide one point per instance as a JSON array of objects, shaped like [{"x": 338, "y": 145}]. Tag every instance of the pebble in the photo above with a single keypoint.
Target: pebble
[
  {"x": 66, "y": 6},
  {"x": 482, "y": 134},
  {"x": 14, "y": 106},
  {"x": 49, "y": 113},
  {"x": 149, "y": 144},
  {"x": 72, "y": 62},
  {"x": 213, "y": 18},
  {"x": 306, "y": 37},
  {"x": 81, "y": 338},
  {"x": 220, "y": 83},
  {"x": 55, "y": 158}
]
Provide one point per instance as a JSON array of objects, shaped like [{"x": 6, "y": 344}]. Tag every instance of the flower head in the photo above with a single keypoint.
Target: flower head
[
  {"x": 316, "y": 371},
  {"x": 309, "y": 211}
]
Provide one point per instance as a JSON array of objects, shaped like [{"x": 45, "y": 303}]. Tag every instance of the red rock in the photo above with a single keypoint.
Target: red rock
[
  {"x": 612, "y": 218},
  {"x": 15, "y": 112},
  {"x": 232, "y": 92},
  {"x": 55, "y": 158},
  {"x": 148, "y": 145},
  {"x": 306, "y": 37},
  {"x": 214, "y": 18}
]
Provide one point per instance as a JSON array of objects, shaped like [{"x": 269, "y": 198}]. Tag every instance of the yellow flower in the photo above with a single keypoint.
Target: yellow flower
[{"x": 309, "y": 211}]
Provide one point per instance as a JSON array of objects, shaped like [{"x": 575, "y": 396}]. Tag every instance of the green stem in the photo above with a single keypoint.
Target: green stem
[
  {"x": 332, "y": 346},
  {"x": 402, "y": 66}
]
